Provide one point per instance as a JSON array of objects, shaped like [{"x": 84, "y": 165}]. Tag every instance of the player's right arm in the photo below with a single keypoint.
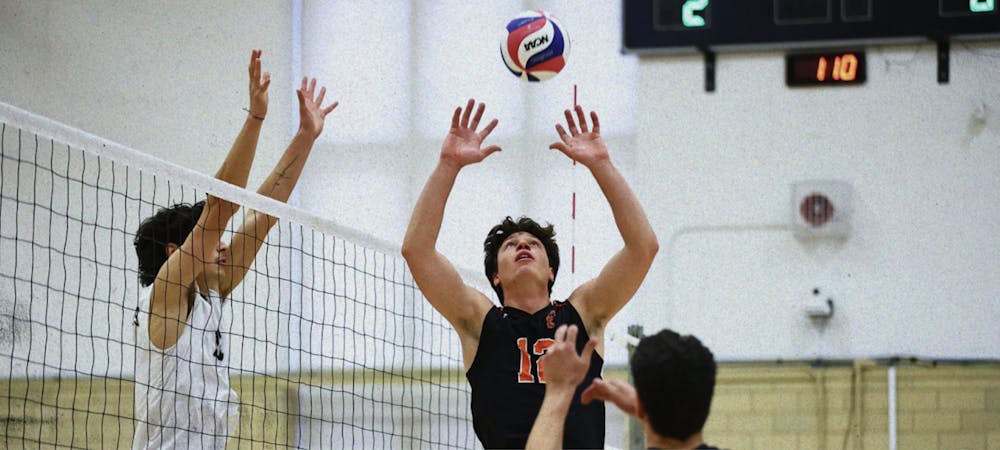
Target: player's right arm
[
  {"x": 463, "y": 306},
  {"x": 168, "y": 303}
]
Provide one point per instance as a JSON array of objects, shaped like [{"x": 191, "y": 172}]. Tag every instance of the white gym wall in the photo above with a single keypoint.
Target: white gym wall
[{"x": 918, "y": 275}]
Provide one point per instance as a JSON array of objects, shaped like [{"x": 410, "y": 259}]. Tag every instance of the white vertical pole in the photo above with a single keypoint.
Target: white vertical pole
[
  {"x": 295, "y": 198},
  {"x": 296, "y": 333},
  {"x": 892, "y": 406}
]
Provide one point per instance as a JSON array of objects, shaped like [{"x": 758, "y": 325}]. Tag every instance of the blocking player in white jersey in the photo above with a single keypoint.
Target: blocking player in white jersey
[{"x": 182, "y": 394}]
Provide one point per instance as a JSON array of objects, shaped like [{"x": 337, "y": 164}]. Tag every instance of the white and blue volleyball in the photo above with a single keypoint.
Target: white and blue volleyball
[{"x": 534, "y": 46}]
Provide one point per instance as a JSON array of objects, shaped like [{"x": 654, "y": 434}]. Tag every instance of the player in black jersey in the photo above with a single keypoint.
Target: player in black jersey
[{"x": 501, "y": 345}]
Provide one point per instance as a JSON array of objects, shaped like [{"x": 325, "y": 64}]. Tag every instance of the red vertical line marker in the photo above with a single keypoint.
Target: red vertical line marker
[
  {"x": 572, "y": 264},
  {"x": 572, "y": 268},
  {"x": 574, "y": 161}
]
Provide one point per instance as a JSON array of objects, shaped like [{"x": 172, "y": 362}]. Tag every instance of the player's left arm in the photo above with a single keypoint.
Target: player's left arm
[
  {"x": 279, "y": 185},
  {"x": 599, "y": 299}
]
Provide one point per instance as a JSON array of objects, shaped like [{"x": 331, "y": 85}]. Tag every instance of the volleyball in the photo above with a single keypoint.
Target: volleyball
[{"x": 534, "y": 46}]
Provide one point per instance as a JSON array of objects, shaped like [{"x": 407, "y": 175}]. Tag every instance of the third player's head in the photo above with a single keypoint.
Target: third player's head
[
  {"x": 519, "y": 250},
  {"x": 675, "y": 379},
  {"x": 162, "y": 233}
]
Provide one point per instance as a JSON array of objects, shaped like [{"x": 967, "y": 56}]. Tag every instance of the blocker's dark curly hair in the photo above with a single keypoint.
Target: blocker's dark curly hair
[{"x": 168, "y": 226}]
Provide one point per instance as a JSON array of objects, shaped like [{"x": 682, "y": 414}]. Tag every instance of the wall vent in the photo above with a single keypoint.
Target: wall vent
[{"x": 821, "y": 209}]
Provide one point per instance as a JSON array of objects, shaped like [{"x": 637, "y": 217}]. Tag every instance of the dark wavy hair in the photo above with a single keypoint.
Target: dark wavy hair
[
  {"x": 500, "y": 233},
  {"x": 168, "y": 226},
  {"x": 675, "y": 379}
]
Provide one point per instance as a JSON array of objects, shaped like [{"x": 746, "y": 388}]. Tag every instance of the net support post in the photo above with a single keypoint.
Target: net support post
[{"x": 636, "y": 438}]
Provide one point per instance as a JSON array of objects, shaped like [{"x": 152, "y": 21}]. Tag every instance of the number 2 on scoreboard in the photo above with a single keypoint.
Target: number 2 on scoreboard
[{"x": 688, "y": 18}]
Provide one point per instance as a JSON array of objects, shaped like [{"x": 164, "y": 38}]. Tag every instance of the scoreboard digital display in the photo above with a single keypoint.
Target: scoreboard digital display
[
  {"x": 665, "y": 26},
  {"x": 826, "y": 68}
]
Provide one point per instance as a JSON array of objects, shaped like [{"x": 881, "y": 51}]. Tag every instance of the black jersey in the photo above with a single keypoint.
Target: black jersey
[{"x": 506, "y": 390}]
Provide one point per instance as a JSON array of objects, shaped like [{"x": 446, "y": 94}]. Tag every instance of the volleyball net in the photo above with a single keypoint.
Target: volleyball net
[{"x": 330, "y": 344}]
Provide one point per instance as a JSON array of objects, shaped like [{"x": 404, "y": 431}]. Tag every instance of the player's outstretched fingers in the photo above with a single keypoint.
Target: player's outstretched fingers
[
  {"x": 330, "y": 108},
  {"x": 572, "y": 124},
  {"x": 583, "y": 119},
  {"x": 467, "y": 112},
  {"x": 478, "y": 116},
  {"x": 489, "y": 129},
  {"x": 322, "y": 93},
  {"x": 561, "y": 146},
  {"x": 570, "y": 337},
  {"x": 560, "y": 334},
  {"x": 454, "y": 117}
]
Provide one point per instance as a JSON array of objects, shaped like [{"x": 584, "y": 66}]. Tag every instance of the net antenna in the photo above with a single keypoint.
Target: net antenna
[{"x": 572, "y": 260}]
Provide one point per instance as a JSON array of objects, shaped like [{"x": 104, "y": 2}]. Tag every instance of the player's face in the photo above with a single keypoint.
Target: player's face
[
  {"x": 215, "y": 264},
  {"x": 522, "y": 256}
]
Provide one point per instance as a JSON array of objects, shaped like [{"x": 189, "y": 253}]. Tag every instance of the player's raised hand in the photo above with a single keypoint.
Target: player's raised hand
[
  {"x": 582, "y": 144},
  {"x": 561, "y": 366},
  {"x": 311, "y": 111},
  {"x": 618, "y": 392},
  {"x": 258, "y": 86},
  {"x": 464, "y": 145}
]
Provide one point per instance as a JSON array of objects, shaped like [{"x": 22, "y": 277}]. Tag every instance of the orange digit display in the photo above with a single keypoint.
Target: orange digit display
[
  {"x": 849, "y": 67},
  {"x": 828, "y": 68}
]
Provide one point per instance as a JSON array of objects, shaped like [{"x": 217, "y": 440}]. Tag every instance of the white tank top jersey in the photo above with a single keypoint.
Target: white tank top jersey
[{"x": 182, "y": 394}]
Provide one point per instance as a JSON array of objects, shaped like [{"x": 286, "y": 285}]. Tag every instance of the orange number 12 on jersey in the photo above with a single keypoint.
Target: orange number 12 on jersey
[{"x": 525, "y": 375}]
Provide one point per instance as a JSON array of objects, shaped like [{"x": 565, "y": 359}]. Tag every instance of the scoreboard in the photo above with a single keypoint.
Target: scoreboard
[
  {"x": 825, "y": 39},
  {"x": 665, "y": 26}
]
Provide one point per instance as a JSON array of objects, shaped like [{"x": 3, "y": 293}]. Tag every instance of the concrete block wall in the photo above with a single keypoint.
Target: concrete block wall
[
  {"x": 792, "y": 405},
  {"x": 98, "y": 413},
  {"x": 756, "y": 406}
]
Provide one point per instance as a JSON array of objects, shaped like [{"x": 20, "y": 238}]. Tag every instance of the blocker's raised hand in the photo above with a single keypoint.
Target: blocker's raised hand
[
  {"x": 311, "y": 110},
  {"x": 258, "y": 86}
]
